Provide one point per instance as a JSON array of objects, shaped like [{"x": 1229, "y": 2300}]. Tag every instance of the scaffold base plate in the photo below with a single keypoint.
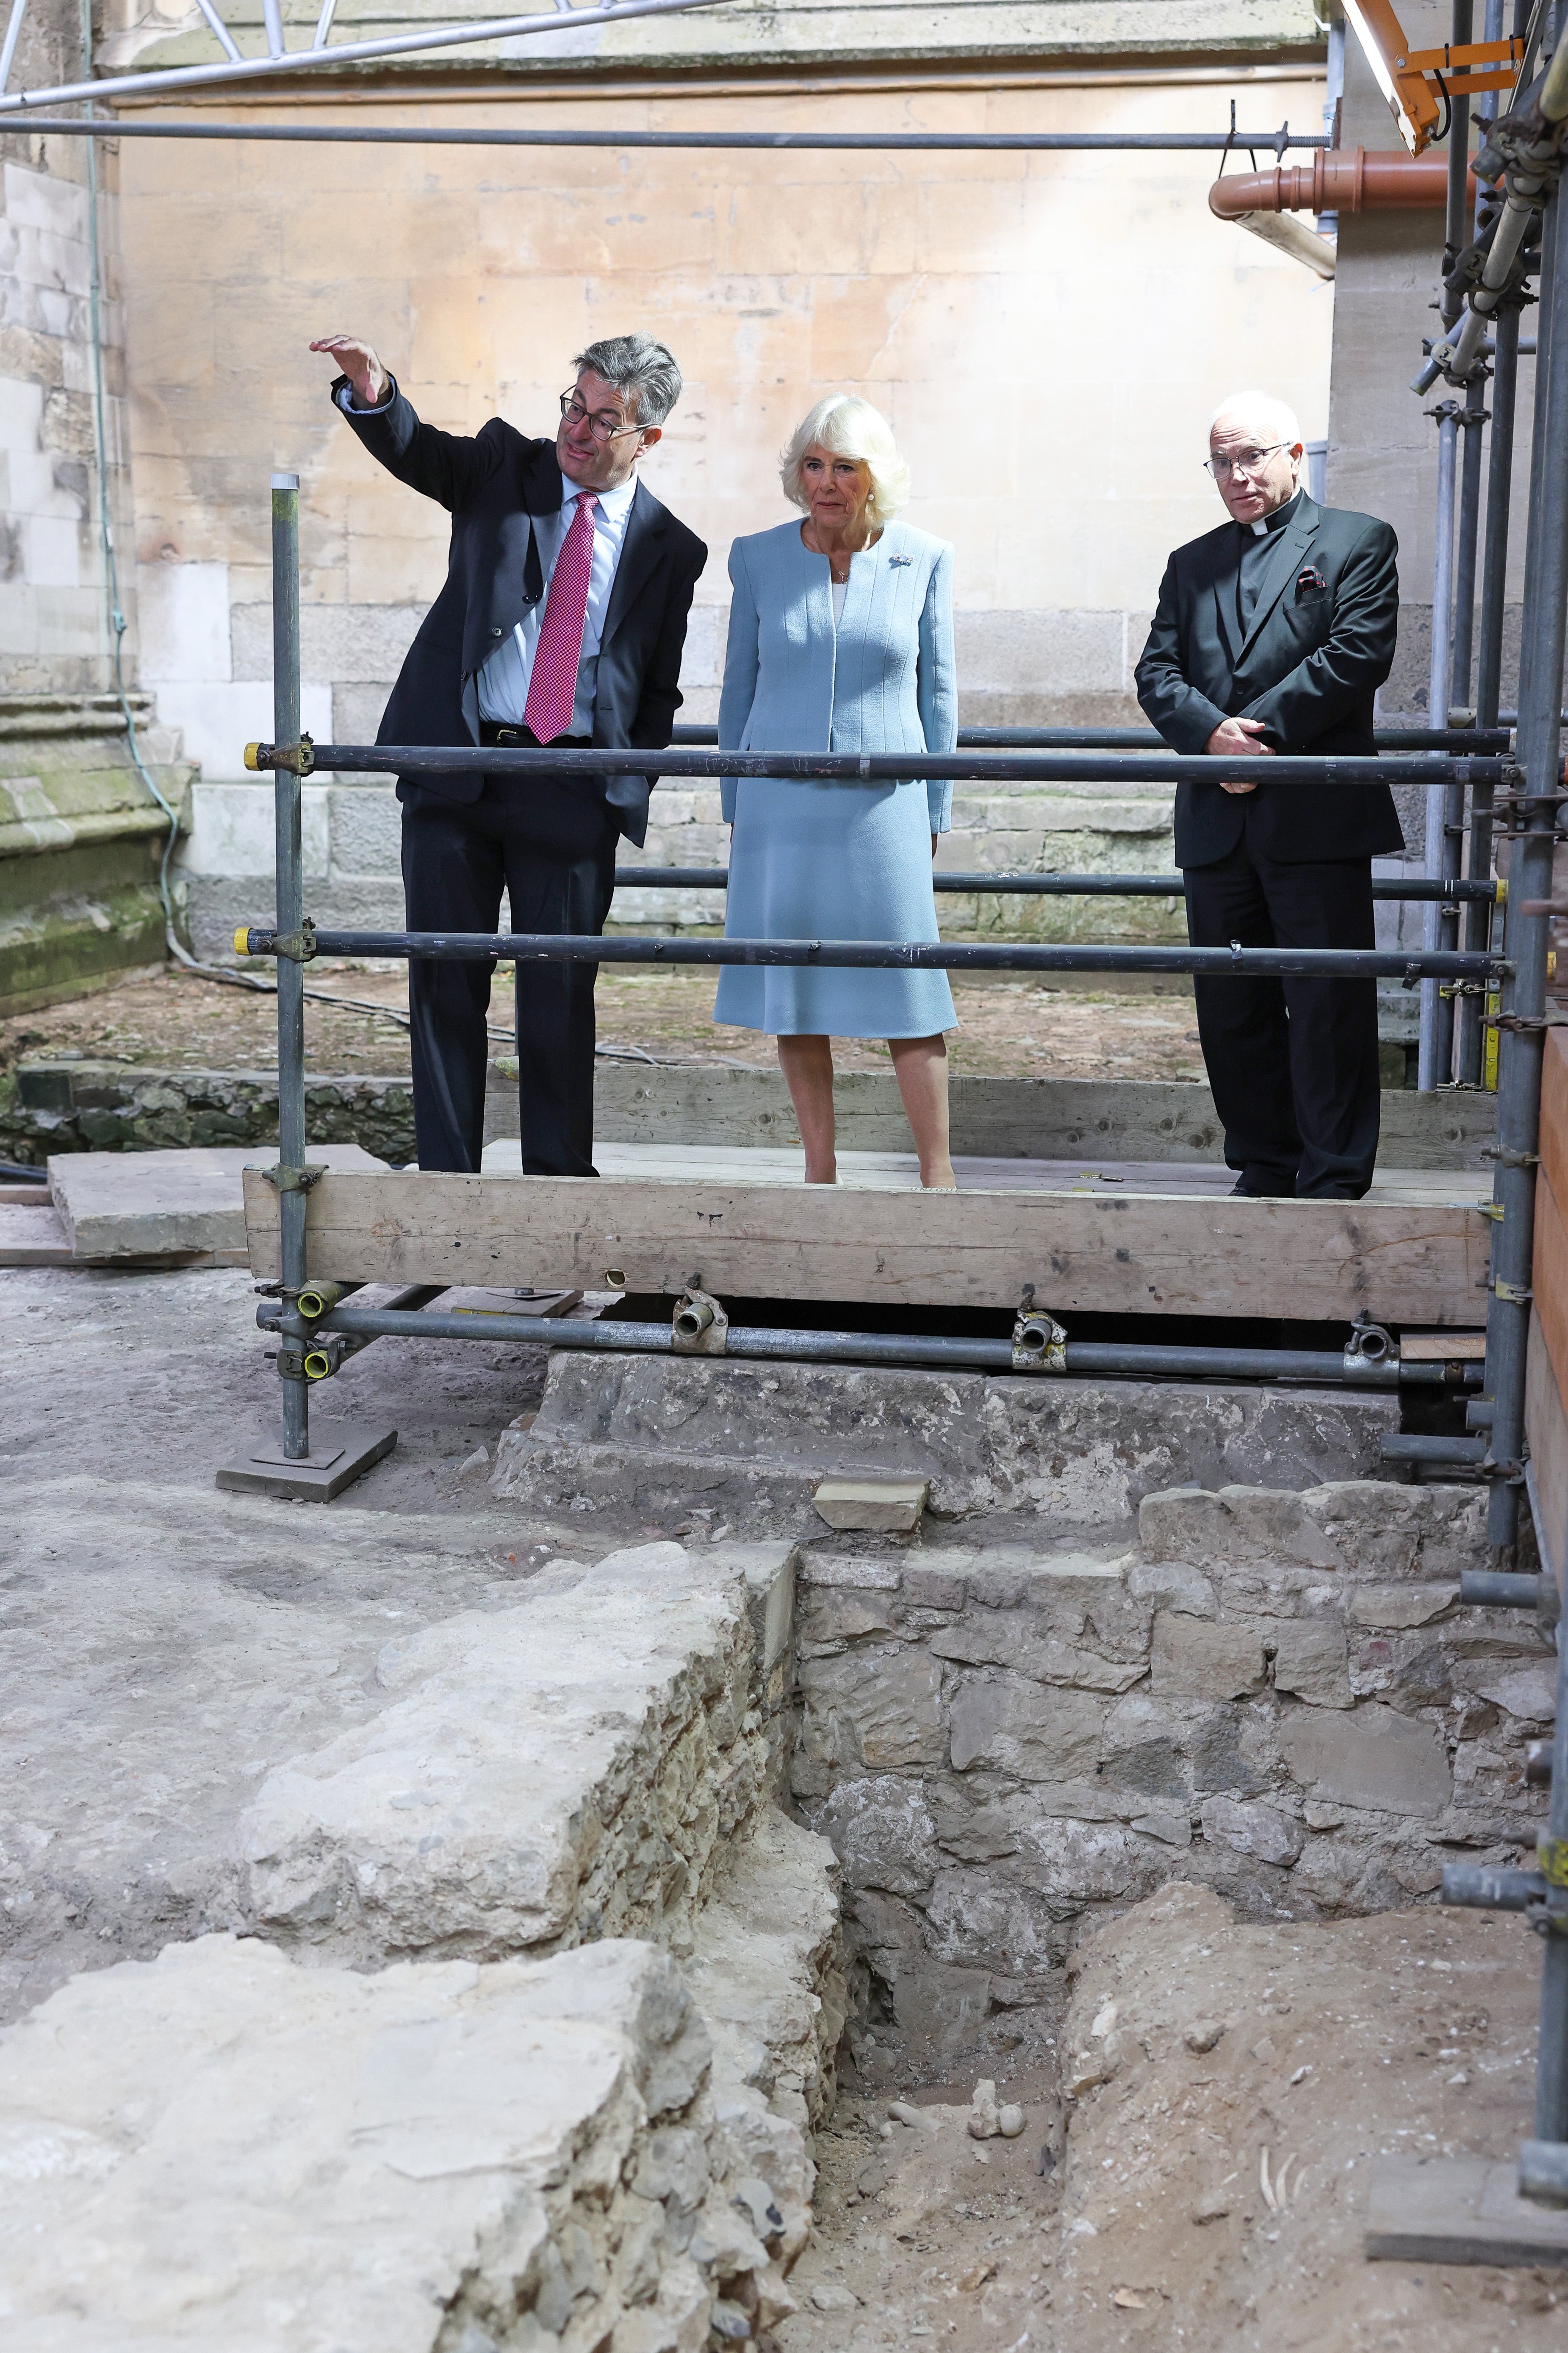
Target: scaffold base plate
[
  {"x": 1459, "y": 2210},
  {"x": 340, "y": 1452}
]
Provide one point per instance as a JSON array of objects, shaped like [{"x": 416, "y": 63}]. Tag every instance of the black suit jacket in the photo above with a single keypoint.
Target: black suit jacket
[
  {"x": 1308, "y": 664},
  {"x": 495, "y": 486}
]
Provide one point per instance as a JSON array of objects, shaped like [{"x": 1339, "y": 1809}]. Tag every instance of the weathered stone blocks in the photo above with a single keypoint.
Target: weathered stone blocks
[
  {"x": 543, "y": 1774},
  {"x": 1279, "y": 1687},
  {"x": 223, "y": 2148}
]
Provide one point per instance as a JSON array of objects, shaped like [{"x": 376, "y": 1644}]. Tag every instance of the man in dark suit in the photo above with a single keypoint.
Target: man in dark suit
[
  {"x": 561, "y": 622},
  {"x": 1273, "y": 634}
]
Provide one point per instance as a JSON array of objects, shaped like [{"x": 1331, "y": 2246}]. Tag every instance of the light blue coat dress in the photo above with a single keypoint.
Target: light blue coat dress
[{"x": 836, "y": 862}]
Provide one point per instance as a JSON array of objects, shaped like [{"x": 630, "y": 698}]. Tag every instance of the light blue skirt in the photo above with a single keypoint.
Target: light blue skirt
[{"x": 831, "y": 862}]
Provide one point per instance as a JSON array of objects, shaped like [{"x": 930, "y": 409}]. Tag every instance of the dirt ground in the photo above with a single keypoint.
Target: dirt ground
[
  {"x": 1409, "y": 2035},
  {"x": 1008, "y": 1028}
]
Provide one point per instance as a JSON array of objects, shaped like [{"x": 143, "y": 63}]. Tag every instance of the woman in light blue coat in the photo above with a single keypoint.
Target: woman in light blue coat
[{"x": 841, "y": 639}]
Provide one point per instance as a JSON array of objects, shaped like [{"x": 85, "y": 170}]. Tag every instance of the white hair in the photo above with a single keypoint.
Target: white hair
[
  {"x": 1264, "y": 410},
  {"x": 849, "y": 428}
]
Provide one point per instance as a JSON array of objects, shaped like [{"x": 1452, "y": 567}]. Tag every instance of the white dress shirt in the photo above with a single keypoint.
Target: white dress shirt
[{"x": 503, "y": 679}]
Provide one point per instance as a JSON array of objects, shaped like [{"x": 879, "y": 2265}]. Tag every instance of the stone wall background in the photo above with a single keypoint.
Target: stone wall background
[{"x": 53, "y": 616}]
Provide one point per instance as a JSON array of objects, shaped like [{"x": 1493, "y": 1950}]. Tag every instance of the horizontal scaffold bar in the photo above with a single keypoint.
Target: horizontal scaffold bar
[
  {"x": 925, "y": 956},
  {"x": 1083, "y": 1359},
  {"x": 1045, "y": 886},
  {"x": 1143, "y": 739},
  {"x": 889, "y": 768},
  {"x": 338, "y": 134}
]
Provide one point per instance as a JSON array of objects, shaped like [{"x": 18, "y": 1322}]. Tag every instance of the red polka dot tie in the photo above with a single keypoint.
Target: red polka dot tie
[{"x": 553, "y": 682}]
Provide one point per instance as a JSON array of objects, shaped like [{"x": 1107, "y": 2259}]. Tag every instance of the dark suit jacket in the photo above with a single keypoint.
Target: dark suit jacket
[
  {"x": 494, "y": 486},
  {"x": 1308, "y": 665}
]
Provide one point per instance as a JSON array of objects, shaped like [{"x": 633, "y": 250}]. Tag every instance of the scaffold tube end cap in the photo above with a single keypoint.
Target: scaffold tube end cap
[
  {"x": 285, "y": 482},
  {"x": 253, "y": 758},
  {"x": 242, "y": 940}
]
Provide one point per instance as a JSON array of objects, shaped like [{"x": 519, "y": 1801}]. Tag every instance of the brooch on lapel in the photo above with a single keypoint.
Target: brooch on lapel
[
  {"x": 895, "y": 561},
  {"x": 1311, "y": 577}
]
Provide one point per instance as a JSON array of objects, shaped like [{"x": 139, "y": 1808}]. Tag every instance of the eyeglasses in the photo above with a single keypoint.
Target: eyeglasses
[
  {"x": 605, "y": 425},
  {"x": 1244, "y": 461}
]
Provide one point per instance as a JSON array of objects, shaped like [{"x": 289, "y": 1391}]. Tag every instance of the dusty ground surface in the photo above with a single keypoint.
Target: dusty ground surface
[
  {"x": 1008, "y": 1028},
  {"x": 1409, "y": 2035},
  {"x": 161, "y": 1644}
]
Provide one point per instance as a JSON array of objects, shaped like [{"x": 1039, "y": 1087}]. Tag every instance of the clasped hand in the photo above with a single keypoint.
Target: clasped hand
[{"x": 1234, "y": 735}]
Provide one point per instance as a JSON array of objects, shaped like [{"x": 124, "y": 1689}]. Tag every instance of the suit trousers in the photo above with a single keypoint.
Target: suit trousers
[
  {"x": 1292, "y": 1063},
  {"x": 550, "y": 844}
]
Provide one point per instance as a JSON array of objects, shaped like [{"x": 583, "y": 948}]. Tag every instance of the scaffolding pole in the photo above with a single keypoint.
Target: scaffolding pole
[{"x": 1478, "y": 931}]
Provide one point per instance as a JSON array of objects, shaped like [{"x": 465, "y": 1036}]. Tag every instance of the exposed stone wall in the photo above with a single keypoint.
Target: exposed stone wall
[
  {"x": 55, "y": 1107},
  {"x": 1278, "y": 1695},
  {"x": 741, "y": 1445}
]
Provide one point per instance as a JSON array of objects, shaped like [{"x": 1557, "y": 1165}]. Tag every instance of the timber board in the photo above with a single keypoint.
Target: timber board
[
  {"x": 1546, "y": 1428},
  {"x": 1554, "y": 1115},
  {"x": 1416, "y": 1260},
  {"x": 1549, "y": 1276}
]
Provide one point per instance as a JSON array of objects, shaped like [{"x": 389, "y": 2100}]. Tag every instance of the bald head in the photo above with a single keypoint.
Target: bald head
[
  {"x": 1254, "y": 454},
  {"x": 1260, "y": 415}
]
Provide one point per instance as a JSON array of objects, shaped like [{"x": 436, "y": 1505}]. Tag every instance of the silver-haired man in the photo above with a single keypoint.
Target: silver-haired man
[
  {"x": 561, "y": 622},
  {"x": 1273, "y": 634}
]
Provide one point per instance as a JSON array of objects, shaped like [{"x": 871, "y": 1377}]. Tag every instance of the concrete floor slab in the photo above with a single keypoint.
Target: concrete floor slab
[{"x": 168, "y": 1204}]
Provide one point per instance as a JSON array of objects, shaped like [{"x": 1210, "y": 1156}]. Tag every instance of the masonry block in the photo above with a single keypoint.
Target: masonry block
[{"x": 1191, "y": 1659}]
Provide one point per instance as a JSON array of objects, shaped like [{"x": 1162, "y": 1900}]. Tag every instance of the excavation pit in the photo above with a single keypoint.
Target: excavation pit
[{"x": 857, "y": 1817}]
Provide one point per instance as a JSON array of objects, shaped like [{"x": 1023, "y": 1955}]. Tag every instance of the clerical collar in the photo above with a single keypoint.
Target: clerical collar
[{"x": 1275, "y": 521}]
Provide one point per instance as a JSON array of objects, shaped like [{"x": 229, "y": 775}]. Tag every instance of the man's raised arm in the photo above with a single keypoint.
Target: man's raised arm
[{"x": 443, "y": 466}]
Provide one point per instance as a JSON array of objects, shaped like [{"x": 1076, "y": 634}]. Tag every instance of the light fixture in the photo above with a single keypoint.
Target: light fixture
[{"x": 1387, "y": 52}]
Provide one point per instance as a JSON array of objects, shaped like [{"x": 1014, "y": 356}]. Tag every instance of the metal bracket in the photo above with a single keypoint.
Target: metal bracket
[
  {"x": 296, "y": 947},
  {"x": 1507, "y": 1158},
  {"x": 1492, "y": 1209},
  {"x": 1513, "y": 1294},
  {"x": 284, "y": 1179},
  {"x": 1552, "y": 1854},
  {"x": 699, "y": 1326},
  {"x": 1369, "y": 1343},
  {"x": 295, "y": 759},
  {"x": 1039, "y": 1342},
  {"x": 1526, "y": 1022},
  {"x": 290, "y": 1361}
]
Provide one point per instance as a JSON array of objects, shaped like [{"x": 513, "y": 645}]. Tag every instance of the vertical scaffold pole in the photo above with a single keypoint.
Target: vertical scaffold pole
[
  {"x": 1473, "y": 420},
  {"x": 1428, "y": 1073},
  {"x": 293, "y": 1333},
  {"x": 1529, "y": 877},
  {"x": 1552, "y": 2058},
  {"x": 1489, "y": 665}
]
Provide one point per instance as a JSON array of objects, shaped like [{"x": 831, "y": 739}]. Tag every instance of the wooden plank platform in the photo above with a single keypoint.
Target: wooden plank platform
[
  {"x": 1137, "y": 1241},
  {"x": 1122, "y": 1120}
]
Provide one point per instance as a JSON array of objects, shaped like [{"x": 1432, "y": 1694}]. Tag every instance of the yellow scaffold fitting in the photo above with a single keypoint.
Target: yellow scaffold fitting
[
  {"x": 253, "y": 757},
  {"x": 242, "y": 940}
]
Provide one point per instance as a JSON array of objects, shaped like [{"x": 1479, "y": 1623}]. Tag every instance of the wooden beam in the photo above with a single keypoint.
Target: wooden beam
[{"x": 1411, "y": 1261}]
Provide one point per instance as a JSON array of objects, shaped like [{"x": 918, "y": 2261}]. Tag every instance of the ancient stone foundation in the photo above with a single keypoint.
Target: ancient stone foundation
[{"x": 510, "y": 2011}]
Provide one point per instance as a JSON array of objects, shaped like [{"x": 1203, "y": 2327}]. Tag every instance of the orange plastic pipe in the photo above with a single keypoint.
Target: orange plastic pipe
[{"x": 1339, "y": 181}]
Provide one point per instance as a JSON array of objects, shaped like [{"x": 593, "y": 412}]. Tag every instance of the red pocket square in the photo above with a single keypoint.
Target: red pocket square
[{"x": 1311, "y": 577}]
